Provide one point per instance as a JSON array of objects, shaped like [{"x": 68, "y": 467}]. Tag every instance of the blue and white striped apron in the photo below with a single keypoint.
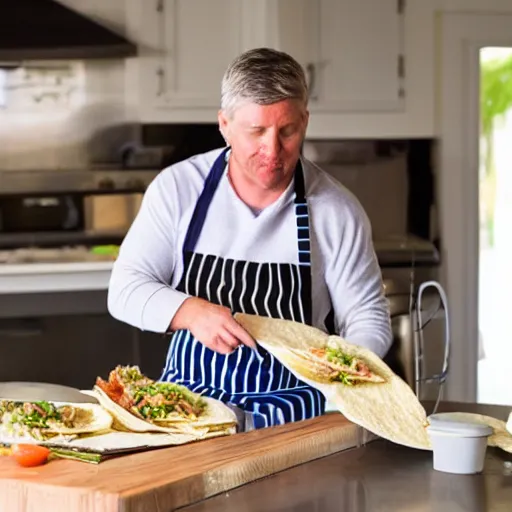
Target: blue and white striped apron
[{"x": 251, "y": 380}]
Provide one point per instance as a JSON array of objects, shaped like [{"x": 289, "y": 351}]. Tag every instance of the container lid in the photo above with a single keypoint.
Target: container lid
[{"x": 445, "y": 422}]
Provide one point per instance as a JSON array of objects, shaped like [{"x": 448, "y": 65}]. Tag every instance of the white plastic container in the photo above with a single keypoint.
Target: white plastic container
[{"x": 459, "y": 447}]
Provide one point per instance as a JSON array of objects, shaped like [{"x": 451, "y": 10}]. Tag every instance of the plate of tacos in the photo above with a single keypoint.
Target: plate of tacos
[
  {"x": 46, "y": 421},
  {"x": 140, "y": 404},
  {"x": 353, "y": 379},
  {"x": 127, "y": 412}
]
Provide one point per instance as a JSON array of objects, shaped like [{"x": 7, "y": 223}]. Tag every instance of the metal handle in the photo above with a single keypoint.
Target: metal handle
[
  {"x": 160, "y": 73},
  {"x": 441, "y": 377},
  {"x": 311, "y": 71}
]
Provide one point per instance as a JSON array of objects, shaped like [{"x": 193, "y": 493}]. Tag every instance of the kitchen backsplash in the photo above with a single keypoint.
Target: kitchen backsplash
[
  {"x": 66, "y": 116},
  {"x": 63, "y": 116}
]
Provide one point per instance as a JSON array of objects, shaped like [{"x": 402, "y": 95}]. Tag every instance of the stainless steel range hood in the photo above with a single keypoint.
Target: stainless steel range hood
[{"x": 47, "y": 30}]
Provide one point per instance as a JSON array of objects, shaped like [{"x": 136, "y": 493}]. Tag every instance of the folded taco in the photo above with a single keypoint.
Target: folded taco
[
  {"x": 332, "y": 364},
  {"x": 141, "y": 404},
  {"x": 44, "y": 420},
  {"x": 352, "y": 378}
]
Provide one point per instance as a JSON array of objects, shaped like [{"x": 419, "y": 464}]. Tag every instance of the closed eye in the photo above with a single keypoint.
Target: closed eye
[
  {"x": 258, "y": 130},
  {"x": 289, "y": 130}
]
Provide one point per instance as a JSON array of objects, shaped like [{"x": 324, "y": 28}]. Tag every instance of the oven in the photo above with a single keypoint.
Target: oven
[{"x": 47, "y": 220}]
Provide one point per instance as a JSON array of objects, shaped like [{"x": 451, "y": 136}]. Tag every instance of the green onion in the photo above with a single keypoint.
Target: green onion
[{"x": 93, "y": 458}]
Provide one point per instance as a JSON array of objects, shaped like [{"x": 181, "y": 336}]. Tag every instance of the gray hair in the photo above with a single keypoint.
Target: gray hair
[{"x": 262, "y": 76}]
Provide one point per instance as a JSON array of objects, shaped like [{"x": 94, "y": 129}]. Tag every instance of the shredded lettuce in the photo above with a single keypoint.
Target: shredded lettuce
[{"x": 335, "y": 355}]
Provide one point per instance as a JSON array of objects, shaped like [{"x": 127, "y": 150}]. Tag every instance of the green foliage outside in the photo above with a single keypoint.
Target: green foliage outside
[{"x": 495, "y": 102}]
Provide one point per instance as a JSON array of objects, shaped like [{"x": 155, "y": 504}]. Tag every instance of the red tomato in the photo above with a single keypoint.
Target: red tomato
[{"x": 29, "y": 455}]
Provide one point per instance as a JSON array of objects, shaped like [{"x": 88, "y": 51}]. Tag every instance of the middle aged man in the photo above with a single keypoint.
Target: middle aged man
[{"x": 252, "y": 228}]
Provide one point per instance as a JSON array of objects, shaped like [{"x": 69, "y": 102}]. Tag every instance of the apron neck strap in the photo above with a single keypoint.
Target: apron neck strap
[
  {"x": 204, "y": 201},
  {"x": 210, "y": 186},
  {"x": 300, "y": 189}
]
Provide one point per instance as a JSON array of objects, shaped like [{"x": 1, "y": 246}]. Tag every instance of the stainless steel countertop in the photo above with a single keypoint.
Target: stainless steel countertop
[{"x": 379, "y": 477}]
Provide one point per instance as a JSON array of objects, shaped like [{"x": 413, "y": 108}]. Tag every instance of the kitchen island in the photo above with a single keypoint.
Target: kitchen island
[
  {"x": 349, "y": 473},
  {"x": 378, "y": 477},
  {"x": 168, "y": 478}
]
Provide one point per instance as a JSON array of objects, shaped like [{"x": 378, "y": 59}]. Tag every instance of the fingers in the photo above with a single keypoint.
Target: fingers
[
  {"x": 219, "y": 346},
  {"x": 240, "y": 333},
  {"x": 218, "y": 330},
  {"x": 224, "y": 342},
  {"x": 229, "y": 339}
]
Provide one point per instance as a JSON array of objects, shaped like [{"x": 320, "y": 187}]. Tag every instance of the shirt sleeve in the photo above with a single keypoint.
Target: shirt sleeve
[
  {"x": 354, "y": 280},
  {"x": 139, "y": 290}
]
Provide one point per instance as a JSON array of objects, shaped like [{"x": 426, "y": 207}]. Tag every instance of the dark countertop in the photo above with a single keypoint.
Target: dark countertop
[{"x": 378, "y": 477}]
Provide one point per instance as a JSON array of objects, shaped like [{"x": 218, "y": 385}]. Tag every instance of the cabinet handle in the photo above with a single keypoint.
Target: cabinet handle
[
  {"x": 160, "y": 72},
  {"x": 24, "y": 328},
  {"x": 160, "y": 90},
  {"x": 311, "y": 72}
]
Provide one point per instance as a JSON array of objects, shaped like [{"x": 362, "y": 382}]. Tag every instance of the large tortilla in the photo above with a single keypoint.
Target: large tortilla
[
  {"x": 218, "y": 419},
  {"x": 91, "y": 419},
  {"x": 391, "y": 409}
]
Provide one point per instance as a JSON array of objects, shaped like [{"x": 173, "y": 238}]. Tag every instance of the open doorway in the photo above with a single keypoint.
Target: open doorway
[
  {"x": 463, "y": 36},
  {"x": 495, "y": 232}
]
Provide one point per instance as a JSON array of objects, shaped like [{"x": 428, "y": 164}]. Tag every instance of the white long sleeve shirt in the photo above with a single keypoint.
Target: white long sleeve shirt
[{"x": 344, "y": 267}]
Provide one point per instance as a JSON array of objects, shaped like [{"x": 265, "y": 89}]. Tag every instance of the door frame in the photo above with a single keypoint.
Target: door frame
[{"x": 462, "y": 37}]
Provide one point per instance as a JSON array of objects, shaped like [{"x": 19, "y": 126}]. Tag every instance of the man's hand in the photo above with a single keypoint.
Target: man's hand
[{"x": 212, "y": 325}]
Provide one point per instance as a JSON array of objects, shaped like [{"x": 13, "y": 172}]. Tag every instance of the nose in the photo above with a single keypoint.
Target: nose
[{"x": 272, "y": 145}]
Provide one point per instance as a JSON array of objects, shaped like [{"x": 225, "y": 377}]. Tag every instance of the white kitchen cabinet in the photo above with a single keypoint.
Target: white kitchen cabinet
[
  {"x": 353, "y": 52},
  {"x": 185, "y": 46},
  {"x": 374, "y": 73},
  {"x": 199, "y": 38},
  {"x": 360, "y": 50},
  {"x": 369, "y": 62}
]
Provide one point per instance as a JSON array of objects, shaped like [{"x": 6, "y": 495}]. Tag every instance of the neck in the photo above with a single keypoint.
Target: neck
[{"x": 251, "y": 192}]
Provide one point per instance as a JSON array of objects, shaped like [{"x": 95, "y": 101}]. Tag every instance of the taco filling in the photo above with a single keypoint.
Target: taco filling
[
  {"x": 42, "y": 420},
  {"x": 331, "y": 364},
  {"x": 152, "y": 401}
]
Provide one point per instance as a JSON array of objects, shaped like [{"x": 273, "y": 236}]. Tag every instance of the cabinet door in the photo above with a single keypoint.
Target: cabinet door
[
  {"x": 357, "y": 58},
  {"x": 198, "y": 39},
  {"x": 72, "y": 350},
  {"x": 292, "y": 28}
]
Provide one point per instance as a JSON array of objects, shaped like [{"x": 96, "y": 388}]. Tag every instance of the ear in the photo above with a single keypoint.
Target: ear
[
  {"x": 223, "y": 125},
  {"x": 306, "y": 119}
]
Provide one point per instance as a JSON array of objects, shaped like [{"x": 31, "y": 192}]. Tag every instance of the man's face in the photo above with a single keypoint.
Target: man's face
[{"x": 265, "y": 141}]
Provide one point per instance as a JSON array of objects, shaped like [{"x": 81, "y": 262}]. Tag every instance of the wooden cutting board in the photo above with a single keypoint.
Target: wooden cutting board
[{"x": 165, "y": 479}]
